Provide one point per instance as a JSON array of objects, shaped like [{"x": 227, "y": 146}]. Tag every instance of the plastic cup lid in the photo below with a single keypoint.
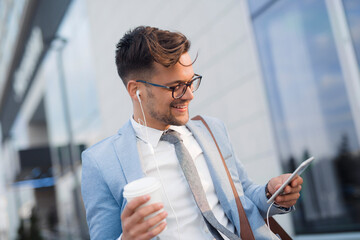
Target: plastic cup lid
[{"x": 141, "y": 187}]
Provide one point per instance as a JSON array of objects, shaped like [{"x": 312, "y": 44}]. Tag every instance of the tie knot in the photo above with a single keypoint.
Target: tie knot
[{"x": 171, "y": 136}]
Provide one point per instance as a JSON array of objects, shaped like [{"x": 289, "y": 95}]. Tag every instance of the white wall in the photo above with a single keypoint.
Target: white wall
[{"x": 232, "y": 87}]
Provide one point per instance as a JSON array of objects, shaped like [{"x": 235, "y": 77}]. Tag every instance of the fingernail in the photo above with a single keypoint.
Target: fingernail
[
  {"x": 146, "y": 197},
  {"x": 160, "y": 205}
]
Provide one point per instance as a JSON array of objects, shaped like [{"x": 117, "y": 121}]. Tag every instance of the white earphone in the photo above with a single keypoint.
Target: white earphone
[{"x": 138, "y": 95}]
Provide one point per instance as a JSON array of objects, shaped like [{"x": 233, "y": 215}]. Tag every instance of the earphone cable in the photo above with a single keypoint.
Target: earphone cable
[
  {"x": 158, "y": 170},
  {"x": 267, "y": 219}
]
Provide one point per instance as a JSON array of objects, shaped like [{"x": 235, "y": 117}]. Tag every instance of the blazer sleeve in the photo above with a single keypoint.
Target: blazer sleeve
[
  {"x": 102, "y": 210},
  {"x": 255, "y": 192}
]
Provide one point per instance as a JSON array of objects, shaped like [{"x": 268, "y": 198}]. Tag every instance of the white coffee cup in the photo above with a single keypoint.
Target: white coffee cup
[{"x": 145, "y": 186}]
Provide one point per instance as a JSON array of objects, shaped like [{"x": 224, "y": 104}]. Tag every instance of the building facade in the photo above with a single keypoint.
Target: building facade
[{"x": 283, "y": 75}]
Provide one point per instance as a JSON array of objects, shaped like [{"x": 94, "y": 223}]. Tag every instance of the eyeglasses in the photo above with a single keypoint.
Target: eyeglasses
[{"x": 179, "y": 90}]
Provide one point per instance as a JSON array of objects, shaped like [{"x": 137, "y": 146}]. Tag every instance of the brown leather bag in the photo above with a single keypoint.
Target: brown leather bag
[{"x": 246, "y": 233}]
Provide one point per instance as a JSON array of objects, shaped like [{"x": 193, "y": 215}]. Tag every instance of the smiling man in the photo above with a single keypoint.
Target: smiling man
[{"x": 160, "y": 141}]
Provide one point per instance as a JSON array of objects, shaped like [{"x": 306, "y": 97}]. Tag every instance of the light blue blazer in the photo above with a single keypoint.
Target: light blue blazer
[{"x": 112, "y": 163}]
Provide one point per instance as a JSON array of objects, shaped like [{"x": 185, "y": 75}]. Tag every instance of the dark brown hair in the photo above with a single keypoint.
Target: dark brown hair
[{"x": 139, "y": 48}]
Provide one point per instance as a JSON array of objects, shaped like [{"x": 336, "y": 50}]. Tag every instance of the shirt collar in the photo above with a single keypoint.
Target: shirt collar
[{"x": 155, "y": 134}]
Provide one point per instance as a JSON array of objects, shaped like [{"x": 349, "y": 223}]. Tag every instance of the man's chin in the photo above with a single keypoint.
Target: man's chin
[{"x": 180, "y": 121}]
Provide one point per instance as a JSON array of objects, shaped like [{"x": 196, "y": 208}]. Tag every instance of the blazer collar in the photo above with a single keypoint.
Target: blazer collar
[{"x": 127, "y": 152}]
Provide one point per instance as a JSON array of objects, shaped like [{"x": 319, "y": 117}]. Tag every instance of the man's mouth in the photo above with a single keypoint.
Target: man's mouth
[{"x": 180, "y": 107}]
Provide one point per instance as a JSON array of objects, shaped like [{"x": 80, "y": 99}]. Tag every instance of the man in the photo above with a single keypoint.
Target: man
[{"x": 158, "y": 74}]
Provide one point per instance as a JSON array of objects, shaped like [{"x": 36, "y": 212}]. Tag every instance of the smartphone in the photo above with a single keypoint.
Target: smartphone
[{"x": 298, "y": 171}]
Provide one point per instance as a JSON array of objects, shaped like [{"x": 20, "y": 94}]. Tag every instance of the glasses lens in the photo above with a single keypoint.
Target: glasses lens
[
  {"x": 195, "y": 84},
  {"x": 180, "y": 89}
]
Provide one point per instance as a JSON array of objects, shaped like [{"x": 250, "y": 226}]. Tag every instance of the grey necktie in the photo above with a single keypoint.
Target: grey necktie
[{"x": 193, "y": 179}]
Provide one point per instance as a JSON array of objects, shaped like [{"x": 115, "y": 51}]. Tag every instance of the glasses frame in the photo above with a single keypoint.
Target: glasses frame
[{"x": 187, "y": 84}]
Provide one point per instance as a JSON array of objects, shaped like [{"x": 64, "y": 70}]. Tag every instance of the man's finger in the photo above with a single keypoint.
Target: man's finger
[
  {"x": 154, "y": 232},
  {"x": 145, "y": 226},
  {"x": 286, "y": 198},
  {"x": 297, "y": 181},
  {"x": 287, "y": 204},
  {"x": 151, "y": 222},
  {"x": 143, "y": 212},
  {"x": 133, "y": 205},
  {"x": 288, "y": 189},
  {"x": 277, "y": 187}
]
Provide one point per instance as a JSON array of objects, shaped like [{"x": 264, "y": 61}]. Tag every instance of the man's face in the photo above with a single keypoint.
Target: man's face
[{"x": 160, "y": 108}]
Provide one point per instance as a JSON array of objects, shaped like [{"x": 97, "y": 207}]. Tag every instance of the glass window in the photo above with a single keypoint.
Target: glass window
[
  {"x": 79, "y": 74},
  {"x": 311, "y": 113},
  {"x": 352, "y": 10},
  {"x": 71, "y": 96},
  {"x": 72, "y": 64},
  {"x": 256, "y": 6}
]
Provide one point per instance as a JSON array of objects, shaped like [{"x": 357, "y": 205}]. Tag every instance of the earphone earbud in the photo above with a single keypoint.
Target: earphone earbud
[{"x": 138, "y": 95}]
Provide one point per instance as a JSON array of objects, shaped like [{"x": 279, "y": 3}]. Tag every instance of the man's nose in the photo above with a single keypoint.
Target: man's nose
[{"x": 189, "y": 95}]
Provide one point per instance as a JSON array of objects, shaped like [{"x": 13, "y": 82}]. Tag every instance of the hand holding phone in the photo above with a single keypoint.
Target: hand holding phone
[{"x": 298, "y": 171}]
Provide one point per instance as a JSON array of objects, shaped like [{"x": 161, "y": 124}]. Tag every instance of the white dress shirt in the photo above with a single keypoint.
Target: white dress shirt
[{"x": 176, "y": 194}]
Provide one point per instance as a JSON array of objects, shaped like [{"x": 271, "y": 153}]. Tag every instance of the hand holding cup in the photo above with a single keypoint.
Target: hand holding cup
[{"x": 144, "y": 215}]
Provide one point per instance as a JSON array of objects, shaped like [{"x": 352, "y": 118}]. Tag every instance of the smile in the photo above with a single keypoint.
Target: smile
[{"x": 180, "y": 107}]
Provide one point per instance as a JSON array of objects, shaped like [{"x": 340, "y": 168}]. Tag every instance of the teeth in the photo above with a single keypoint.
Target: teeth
[{"x": 180, "y": 106}]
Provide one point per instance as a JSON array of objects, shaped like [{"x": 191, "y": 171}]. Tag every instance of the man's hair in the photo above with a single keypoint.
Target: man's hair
[{"x": 139, "y": 48}]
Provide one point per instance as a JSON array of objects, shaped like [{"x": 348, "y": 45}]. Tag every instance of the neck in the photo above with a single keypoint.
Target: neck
[{"x": 139, "y": 118}]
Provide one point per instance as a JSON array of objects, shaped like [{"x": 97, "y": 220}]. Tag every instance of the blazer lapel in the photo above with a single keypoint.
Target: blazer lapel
[
  {"x": 217, "y": 170},
  {"x": 127, "y": 153}
]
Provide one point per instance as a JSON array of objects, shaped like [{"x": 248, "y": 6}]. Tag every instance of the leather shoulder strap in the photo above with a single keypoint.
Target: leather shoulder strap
[{"x": 246, "y": 232}]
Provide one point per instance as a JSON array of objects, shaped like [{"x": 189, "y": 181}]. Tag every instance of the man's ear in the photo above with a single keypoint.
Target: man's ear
[{"x": 132, "y": 87}]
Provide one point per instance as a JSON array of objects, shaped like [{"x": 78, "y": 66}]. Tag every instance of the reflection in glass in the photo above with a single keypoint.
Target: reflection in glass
[
  {"x": 257, "y": 6},
  {"x": 352, "y": 10},
  {"x": 310, "y": 111}
]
